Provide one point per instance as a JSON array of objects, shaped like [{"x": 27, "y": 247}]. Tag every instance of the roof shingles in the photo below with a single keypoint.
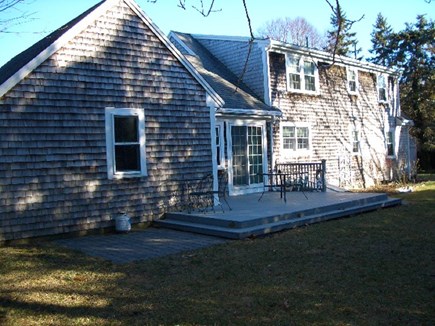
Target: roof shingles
[{"x": 233, "y": 91}]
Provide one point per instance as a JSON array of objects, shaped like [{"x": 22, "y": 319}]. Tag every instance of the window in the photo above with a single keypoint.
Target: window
[
  {"x": 310, "y": 79},
  {"x": 390, "y": 143},
  {"x": 355, "y": 142},
  {"x": 382, "y": 88},
  {"x": 294, "y": 72},
  {"x": 302, "y": 74},
  {"x": 219, "y": 145},
  {"x": 295, "y": 138},
  {"x": 125, "y": 143},
  {"x": 352, "y": 80}
]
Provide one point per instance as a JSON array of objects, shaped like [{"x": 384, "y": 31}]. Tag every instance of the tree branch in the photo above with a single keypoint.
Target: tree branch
[
  {"x": 204, "y": 12},
  {"x": 6, "y": 4},
  {"x": 251, "y": 43}
]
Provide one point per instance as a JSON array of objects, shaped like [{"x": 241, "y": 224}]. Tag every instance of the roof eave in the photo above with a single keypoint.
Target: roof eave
[
  {"x": 86, "y": 21},
  {"x": 328, "y": 57},
  {"x": 250, "y": 112},
  {"x": 52, "y": 48}
]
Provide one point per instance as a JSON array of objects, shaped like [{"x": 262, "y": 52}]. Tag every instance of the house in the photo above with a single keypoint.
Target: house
[
  {"x": 107, "y": 115},
  {"x": 337, "y": 109},
  {"x": 100, "y": 117}
]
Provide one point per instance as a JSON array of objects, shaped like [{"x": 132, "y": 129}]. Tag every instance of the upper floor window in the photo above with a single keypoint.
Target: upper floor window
[
  {"x": 352, "y": 80},
  {"x": 382, "y": 88},
  {"x": 295, "y": 138},
  {"x": 125, "y": 143},
  {"x": 302, "y": 74},
  {"x": 294, "y": 73},
  {"x": 310, "y": 77}
]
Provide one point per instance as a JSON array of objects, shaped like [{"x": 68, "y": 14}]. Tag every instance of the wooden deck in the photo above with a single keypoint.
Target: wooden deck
[{"x": 251, "y": 217}]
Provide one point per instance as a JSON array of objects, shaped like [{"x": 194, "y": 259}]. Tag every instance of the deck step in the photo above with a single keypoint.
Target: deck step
[
  {"x": 212, "y": 220},
  {"x": 239, "y": 230}
]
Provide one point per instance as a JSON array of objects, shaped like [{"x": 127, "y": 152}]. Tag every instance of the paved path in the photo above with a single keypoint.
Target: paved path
[{"x": 139, "y": 245}]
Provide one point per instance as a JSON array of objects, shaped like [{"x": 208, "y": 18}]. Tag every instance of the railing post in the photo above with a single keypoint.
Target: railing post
[{"x": 323, "y": 175}]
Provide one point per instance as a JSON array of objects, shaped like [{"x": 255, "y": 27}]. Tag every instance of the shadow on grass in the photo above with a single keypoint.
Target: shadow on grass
[{"x": 375, "y": 268}]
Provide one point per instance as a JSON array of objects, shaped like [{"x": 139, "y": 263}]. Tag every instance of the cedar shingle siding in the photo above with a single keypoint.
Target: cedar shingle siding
[
  {"x": 53, "y": 170},
  {"x": 331, "y": 115}
]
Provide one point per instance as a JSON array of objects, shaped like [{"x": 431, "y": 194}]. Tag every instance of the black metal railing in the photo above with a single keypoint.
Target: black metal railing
[{"x": 304, "y": 176}]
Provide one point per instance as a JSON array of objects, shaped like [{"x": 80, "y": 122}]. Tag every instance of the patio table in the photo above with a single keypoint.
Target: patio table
[{"x": 280, "y": 183}]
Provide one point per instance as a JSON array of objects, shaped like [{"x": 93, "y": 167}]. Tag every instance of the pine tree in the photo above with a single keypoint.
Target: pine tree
[
  {"x": 382, "y": 40},
  {"x": 415, "y": 55},
  {"x": 340, "y": 40}
]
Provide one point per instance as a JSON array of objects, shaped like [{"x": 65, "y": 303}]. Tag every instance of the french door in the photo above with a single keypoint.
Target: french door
[{"x": 248, "y": 157}]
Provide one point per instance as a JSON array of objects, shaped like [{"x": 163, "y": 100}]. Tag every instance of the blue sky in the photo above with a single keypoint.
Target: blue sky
[{"x": 47, "y": 15}]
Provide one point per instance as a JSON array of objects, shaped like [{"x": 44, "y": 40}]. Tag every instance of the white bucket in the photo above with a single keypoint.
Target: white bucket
[{"x": 122, "y": 223}]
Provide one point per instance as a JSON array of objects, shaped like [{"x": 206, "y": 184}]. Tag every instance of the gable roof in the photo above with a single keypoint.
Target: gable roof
[
  {"x": 238, "y": 97},
  {"x": 24, "y": 63},
  {"x": 25, "y": 57},
  {"x": 273, "y": 45}
]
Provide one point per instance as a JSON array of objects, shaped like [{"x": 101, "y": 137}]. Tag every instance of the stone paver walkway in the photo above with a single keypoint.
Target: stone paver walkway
[{"x": 139, "y": 245}]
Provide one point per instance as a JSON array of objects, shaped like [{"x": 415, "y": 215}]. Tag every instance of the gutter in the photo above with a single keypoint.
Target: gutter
[{"x": 250, "y": 112}]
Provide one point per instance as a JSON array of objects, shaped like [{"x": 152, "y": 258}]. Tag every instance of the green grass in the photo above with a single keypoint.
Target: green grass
[{"x": 371, "y": 269}]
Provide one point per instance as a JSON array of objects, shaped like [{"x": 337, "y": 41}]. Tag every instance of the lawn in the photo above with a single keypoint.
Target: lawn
[{"x": 371, "y": 269}]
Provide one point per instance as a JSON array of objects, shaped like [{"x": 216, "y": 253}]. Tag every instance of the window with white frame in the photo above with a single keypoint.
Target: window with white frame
[
  {"x": 382, "y": 88},
  {"x": 125, "y": 143},
  {"x": 220, "y": 159},
  {"x": 390, "y": 143},
  {"x": 294, "y": 72},
  {"x": 355, "y": 134},
  {"x": 310, "y": 76},
  {"x": 295, "y": 138},
  {"x": 352, "y": 80},
  {"x": 302, "y": 74}
]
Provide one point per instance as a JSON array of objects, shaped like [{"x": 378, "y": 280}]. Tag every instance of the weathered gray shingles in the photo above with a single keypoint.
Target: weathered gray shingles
[
  {"x": 229, "y": 86},
  {"x": 233, "y": 55},
  {"x": 63, "y": 187},
  {"x": 329, "y": 114}
]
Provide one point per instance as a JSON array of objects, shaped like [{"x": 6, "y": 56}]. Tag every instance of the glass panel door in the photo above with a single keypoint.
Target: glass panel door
[
  {"x": 240, "y": 157},
  {"x": 247, "y": 150}
]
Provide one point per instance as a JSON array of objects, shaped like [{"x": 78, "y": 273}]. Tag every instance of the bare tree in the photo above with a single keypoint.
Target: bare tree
[
  {"x": 296, "y": 31},
  {"x": 15, "y": 16},
  {"x": 205, "y": 9}
]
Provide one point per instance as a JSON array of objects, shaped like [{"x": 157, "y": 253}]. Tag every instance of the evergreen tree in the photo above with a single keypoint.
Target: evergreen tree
[
  {"x": 340, "y": 40},
  {"x": 414, "y": 54},
  {"x": 382, "y": 40}
]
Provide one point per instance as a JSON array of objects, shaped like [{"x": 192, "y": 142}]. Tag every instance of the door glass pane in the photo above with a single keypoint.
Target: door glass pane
[
  {"x": 255, "y": 150},
  {"x": 218, "y": 146},
  {"x": 240, "y": 159}
]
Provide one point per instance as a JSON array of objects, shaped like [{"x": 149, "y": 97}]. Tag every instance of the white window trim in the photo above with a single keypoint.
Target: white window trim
[
  {"x": 298, "y": 152},
  {"x": 348, "y": 80},
  {"x": 302, "y": 59},
  {"x": 358, "y": 130},
  {"x": 241, "y": 190},
  {"x": 378, "y": 88},
  {"x": 110, "y": 144},
  {"x": 393, "y": 141},
  {"x": 220, "y": 126}
]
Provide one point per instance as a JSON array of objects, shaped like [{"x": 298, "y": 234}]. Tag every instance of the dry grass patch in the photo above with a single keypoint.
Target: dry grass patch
[{"x": 375, "y": 268}]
